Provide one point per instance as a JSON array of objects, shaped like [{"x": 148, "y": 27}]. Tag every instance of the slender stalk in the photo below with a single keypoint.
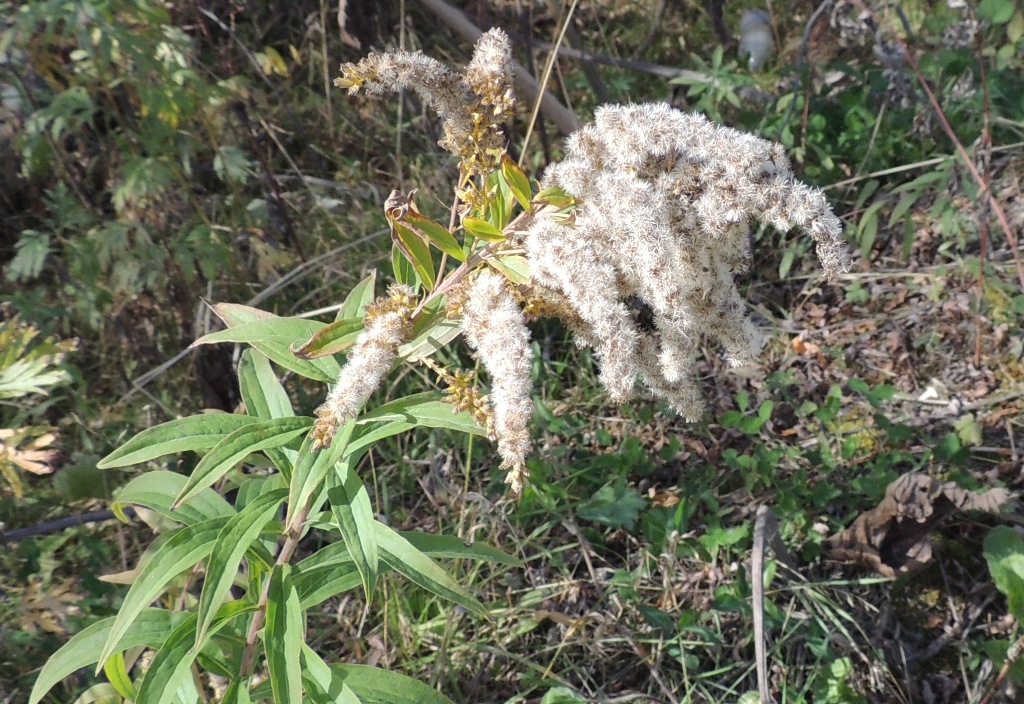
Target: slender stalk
[
  {"x": 291, "y": 543},
  {"x": 986, "y": 188}
]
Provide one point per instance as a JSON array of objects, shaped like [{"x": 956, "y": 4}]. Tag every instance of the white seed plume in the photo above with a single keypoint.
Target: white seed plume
[
  {"x": 386, "y": 326},
  {"x": 666, "y": 199},
  {"x": 494, "y": 327}
]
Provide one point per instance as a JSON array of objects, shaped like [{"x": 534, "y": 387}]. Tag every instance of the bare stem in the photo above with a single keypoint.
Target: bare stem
[{"x": 285, "y": 556}]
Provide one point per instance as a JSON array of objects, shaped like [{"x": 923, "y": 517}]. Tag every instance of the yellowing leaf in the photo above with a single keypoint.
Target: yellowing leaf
[{"x": 271, "y": 62}]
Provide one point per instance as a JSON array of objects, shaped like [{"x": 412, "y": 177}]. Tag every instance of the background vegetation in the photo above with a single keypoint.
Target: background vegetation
[{"x": 156, "y": 154}]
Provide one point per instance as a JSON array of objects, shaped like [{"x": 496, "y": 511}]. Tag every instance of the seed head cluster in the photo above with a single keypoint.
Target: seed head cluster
[
  {"x": 472, "y": 104},
  {"x": 666, "y": 200},
  {"x": 494, "y": 327},
  {"x": 387, "y": 324}
]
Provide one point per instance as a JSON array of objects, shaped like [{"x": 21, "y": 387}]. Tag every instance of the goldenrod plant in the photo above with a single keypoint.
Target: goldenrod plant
[{"x": 649, "y": 204}]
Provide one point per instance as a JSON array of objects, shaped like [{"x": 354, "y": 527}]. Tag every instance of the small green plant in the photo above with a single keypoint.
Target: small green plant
[
  {"x": 29, "y": 368},
  {"x": 649, "y": 204}
]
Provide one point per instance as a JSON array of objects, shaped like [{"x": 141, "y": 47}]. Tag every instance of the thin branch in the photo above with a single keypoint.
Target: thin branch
[{"x": 525, "y": 84}]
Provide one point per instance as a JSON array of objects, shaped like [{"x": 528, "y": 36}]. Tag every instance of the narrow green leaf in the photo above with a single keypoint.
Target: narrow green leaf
[
  {"x": 234, "y": 539},
  {"x": 319, "y": 673},
  {"x": 262, "y": 392},
  {"x": 403, "y": 270},
  {"x": 323, "y": 369},
  {"x": 416, "y": 251},
  {"x": 517, "y": 182},
  {"x": 274, "y": 337},
  {"x": 181, "y": 551},
  {"x": 499, "y": 202},
  {"x": 283, "y": 637},
  {"x": 358, "y": 298},
  {"x": 515, "y": 267},
  {"x": 322, "y": 583},
  {"x": 333, "y": 338},
  {"x": 481, "y": 229},
  {"x": 868, "y": 228},
  {"x": 437, "y": 234},
  {"x": 312, "y": 469},
  {"x": 285, "y": 331},
  {"x": 158, "y": 489},
  {"x": 423, "y": 409},
  {"x": 193, "y": 433},
  {"x": 434, "y": 336},
  {"x": 266, "y": 398},
  {"x": 453, "y": 547},
  {"x": 350, "y": 504},
  {"x": 555, "y": 196},
  {"x": 171, "y": 667},
  {"x": 374, "y": 685},
  {"x": 330, "y": 554},
  {"x": 237, "y": 692},
  {"x": 117, "y": 675},
  {"x": 237, "y": 446},
  {"x": 400, "y": 555},
  {"x": 150, "y": 628}
]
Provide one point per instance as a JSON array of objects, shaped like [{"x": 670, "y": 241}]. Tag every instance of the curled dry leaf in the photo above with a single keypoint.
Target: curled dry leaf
[{"x": 894, "y": 538}]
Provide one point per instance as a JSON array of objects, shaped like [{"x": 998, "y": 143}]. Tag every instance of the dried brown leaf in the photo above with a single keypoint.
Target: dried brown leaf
[{"x": 894, "y": 538}]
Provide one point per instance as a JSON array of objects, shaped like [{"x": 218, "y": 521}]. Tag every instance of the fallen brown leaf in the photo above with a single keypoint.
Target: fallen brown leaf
[{"x": 894, "y": 538}]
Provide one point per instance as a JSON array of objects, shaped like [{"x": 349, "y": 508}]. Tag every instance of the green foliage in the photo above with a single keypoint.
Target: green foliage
[
  {"x": 223, "y": 540},
  {"x": 30, "y": 367}
]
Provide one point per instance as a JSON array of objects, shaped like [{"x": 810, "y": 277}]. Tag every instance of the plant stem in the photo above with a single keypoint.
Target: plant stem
[{"x": 283, "y": 558}]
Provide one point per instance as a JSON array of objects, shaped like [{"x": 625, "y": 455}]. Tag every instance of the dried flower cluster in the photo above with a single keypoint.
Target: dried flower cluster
[
  {"x": 472, "y": 105},
  {"x": 666, "y": 199},
  {"x": 387, "y": 324},
  {"x": 664, "y": 205},
  {"x": 495, "y": 328}
]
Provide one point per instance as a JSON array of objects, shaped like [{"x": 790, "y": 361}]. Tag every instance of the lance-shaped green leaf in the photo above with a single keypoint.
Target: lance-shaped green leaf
[
  {"x": 116, "y": 673},
  {"x": 283, "y": 637},
  {"x": 193, "y": 433},
  {"x": 517, "y": 182},
  {"x": 513, "y": 266},
  {"x": 149, "y": 629},
  {"x": 316, "y": 671},
  {"x": 266, "y": 398},
  {"x": 432, "y": 333},
  {"x": 499, "y": 202},
  {"x": 481, "y": 229},
  {"x": 262, "y": 392},
  {"x": 416, "y": 251},
  {"x": 322, "y": 583},
  {"x": 361, "y": 295},
  {"x": 237, "y": 692},
  {"x": 182, "y": 550},
  {"x": 437, "y": 234},
  {"x": 283, "y": 331},
  {"x": 238, "y": 534},
  {"x": 237, "y": 446},
  {"x": 374, "y": 685},
  {"x": 172, "y": 665},
  {"x": 424, "y": 409},
  {"x": 555, "y": 196},
  {"x": 278, "y": 347},
  {"x": 312, "y": 469},
  {"x": 454, "y": 547},
  {"x": 403, "y": 270},
  {"x": 333, "y": 338},
  {"x": 350, "y": 504},
  {"x": 400, "y": 555},
  {"x": 158, "y": 489}
]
